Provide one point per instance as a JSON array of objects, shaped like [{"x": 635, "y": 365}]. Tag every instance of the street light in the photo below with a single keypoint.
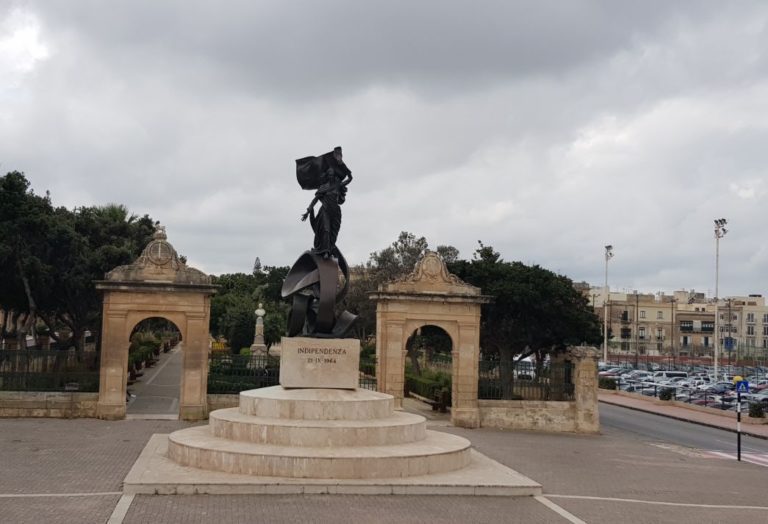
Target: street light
[
  {"x": 720, "y": 232},
  {"x": 608, "y": 256}
]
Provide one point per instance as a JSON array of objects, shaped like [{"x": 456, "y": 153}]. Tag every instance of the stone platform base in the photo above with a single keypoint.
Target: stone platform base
[{"x": 155, "y": 473}]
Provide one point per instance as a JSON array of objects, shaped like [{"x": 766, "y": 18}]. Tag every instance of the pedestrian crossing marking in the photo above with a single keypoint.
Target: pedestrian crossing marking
[{"x": 760, "y": 459}]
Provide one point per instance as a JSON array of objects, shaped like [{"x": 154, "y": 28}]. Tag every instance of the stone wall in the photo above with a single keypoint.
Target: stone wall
[
  {"x": 578, "y": 416},
  {"x": 222, "y": 401},
  {"x": 535, "y": 415},
  {"x": 47, "y": 404}
]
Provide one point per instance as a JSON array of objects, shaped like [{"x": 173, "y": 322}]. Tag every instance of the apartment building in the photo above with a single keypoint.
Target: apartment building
[{"x": 682, "y": 323}]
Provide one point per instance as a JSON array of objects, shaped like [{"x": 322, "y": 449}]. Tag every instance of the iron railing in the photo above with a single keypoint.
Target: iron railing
[
  {"x": 38, "y": 370},
  {"x": 231, "y": 374},
  {"x": 499, "y": 380}
]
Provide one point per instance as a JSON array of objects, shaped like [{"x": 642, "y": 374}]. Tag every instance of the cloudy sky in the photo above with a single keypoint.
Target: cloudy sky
[{"x": 546, "y": 129}]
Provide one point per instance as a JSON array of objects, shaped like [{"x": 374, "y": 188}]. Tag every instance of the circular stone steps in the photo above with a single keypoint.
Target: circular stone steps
[
  {"x": 318, "y": 434},
  {"x": 397, "y": 428},
  {"x": 436, "y": 453},
  {"x": 316, "y": 404}
]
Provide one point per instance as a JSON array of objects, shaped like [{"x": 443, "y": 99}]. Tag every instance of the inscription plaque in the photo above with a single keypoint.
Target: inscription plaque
[{"x": 320, "y": 362}]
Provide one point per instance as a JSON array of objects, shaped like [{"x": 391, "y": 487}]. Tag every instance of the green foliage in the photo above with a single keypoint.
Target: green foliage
[
  {"x": 368, "y": 350},
  {"x": 534, "y": 311},
  {"x": 756, "y": 410},
  {"x": 51, "y": 256},
  {"x": 666, "y": 394},
  {"x": 606, "y": 383},
  {"x": 386, "y": 265},
  {"x": 430, "y": 384},
  {"x": 239, "y": 294}
]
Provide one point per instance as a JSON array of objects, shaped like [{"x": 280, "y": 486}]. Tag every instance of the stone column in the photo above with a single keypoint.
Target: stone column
[
  {"x": 585, "y": 388},
  {"x": 464, "y": 410},
  {"x": 113, "y": 371},
  {"x": 259, "y": 348},
  {"x": 390, "y": 354},
  {"x": 193, "y": 403}
]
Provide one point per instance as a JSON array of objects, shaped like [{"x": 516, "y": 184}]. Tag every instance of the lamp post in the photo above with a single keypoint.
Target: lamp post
[
  {"x": 672, "y": 332},
  {"x": 637, "y": 345},
  {"x": 608, "y": 256},
  {"x": 720, "y": 232}
]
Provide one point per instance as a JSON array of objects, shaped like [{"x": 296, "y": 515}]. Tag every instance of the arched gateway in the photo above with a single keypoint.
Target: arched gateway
[
  {"x": 157, "y": 284},
  {"x": 430, "y": 296}
]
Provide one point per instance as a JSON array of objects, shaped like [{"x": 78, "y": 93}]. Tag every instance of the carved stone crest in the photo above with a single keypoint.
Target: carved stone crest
[{"x": 431, "y": 275}]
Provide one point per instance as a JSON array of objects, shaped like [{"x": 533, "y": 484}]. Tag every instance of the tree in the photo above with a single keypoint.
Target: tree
[
  {"x": 24, "y": 221},
  {"x": 51, "y": 257},
  {"x": 534, "y": 312},
  {"x": 239, "y": 294},
  {"x": 383, "y": 266}
]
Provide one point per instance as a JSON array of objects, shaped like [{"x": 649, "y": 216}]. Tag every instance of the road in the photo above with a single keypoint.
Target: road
[{"x": 655, "y": 428}]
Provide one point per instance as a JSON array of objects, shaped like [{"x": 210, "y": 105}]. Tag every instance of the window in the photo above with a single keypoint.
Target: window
[
  {"x": 625, "y": 316},
  {"x": 626, "y": 333},
  {"x": 708, "y": 327},
  {"x": 686, "y": 325},
  {"x": 750, "y": 330},
  {"x": 641, "y": 333},
  {"x": 765, "y": 331},
  {"x": 659, "y": 334},
  {"x": 751, "y": 317},
  {"x": 659, "y": 315},
  {"x": 642, "y": 313},
  {"x": 765, "y": 318}
]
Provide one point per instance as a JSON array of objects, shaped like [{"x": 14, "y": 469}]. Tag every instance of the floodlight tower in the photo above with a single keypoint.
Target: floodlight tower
[
  {"x": 720, "y": 232},
  {"x": 608, "y": 256}
]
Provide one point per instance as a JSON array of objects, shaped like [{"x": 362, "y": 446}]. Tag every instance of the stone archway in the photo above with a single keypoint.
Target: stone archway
[
  {"x": 157, "y": 284},
  {"x": 430, "y": 296}
]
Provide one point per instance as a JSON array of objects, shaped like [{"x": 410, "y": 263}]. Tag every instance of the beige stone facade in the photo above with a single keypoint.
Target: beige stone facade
[
  {"x": 682, "y": 324},
  {"x": 157, "y": 284},
  {"x": 430, "y": 296}
]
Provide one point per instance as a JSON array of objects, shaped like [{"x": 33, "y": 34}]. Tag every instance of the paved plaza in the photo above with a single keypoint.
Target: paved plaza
[{"x": 70, "y": 471}]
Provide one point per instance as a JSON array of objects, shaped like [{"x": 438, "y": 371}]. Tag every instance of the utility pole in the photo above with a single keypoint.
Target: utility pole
[{"x": 606, "y": 297}]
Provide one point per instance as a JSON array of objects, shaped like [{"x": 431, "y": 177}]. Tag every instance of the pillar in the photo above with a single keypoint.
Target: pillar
[
  {"x": 193, "y": 403},
  {"x": 585, "y": 388},
  {"x": 466, "y": 354},
  {"x": 113, "y": 371}
]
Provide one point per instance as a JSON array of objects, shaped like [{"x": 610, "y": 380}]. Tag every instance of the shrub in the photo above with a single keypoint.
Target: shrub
[
  {"x": 666, "y": 394},
  {"x": 606, "y": 383},
  {"x": 756, "y": 410}
]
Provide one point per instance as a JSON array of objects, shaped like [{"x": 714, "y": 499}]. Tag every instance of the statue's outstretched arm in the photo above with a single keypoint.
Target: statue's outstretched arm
[
  {"x": 310, "y": 209},
  {"x": 347, "y": 179}
]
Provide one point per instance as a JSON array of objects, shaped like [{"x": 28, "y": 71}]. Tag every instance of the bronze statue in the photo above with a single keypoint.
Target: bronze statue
[
  {"x": 330, "y": 176},
  {"x": 314, "y": 280}
]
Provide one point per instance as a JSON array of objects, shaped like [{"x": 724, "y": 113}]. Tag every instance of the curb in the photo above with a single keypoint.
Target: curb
[{"x": 683, "y": 419}]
